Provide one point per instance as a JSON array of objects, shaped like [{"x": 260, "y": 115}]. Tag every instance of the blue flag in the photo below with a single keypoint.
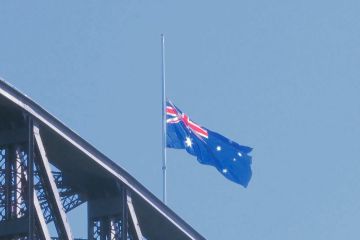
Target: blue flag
[{"x": 210, "y": 148}]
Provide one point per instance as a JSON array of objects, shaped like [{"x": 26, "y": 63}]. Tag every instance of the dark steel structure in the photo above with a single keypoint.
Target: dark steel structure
[{"x": 46, "y": 170}]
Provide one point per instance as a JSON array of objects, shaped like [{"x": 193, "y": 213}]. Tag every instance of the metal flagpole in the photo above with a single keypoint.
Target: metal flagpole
[{"x": 163, "y": 117}]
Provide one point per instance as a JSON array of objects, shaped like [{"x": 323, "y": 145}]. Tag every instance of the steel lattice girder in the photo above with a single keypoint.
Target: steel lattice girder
[
  {"x": 86, "y": 171},
  {"x": 70, "y": 199}
]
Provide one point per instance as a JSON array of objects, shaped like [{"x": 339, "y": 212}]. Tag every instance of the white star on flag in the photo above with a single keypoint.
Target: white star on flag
[{"x": 188, "y": 142}]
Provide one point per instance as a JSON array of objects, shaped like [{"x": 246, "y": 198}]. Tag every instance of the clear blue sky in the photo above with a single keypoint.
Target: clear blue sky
[{"x": 280, "y": 76}]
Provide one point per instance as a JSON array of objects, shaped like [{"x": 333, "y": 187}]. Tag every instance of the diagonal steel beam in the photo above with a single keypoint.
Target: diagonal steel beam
[
  {"x": 64, "y": 227},
  {"x": 134, "y": 219},
  {"x": 41, "y": 219},
  {"x": 38, "y": 214}
]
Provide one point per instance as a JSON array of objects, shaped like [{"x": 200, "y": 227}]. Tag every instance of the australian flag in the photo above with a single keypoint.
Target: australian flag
[{"x": 210, "y": 148}]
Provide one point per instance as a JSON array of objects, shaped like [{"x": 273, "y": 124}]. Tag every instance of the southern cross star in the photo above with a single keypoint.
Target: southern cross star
[{"x": 188, "y": 142}]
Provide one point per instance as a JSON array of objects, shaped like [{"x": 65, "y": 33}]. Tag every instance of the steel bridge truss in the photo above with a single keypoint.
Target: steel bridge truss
[{"x": 34, "y": 193}]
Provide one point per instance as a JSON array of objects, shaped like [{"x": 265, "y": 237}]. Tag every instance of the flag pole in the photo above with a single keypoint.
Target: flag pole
[{"x": 163, "y": 116}]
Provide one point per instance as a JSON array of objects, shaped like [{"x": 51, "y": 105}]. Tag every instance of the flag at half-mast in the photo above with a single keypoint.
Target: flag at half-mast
[{"x": 229, "y": 158}]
